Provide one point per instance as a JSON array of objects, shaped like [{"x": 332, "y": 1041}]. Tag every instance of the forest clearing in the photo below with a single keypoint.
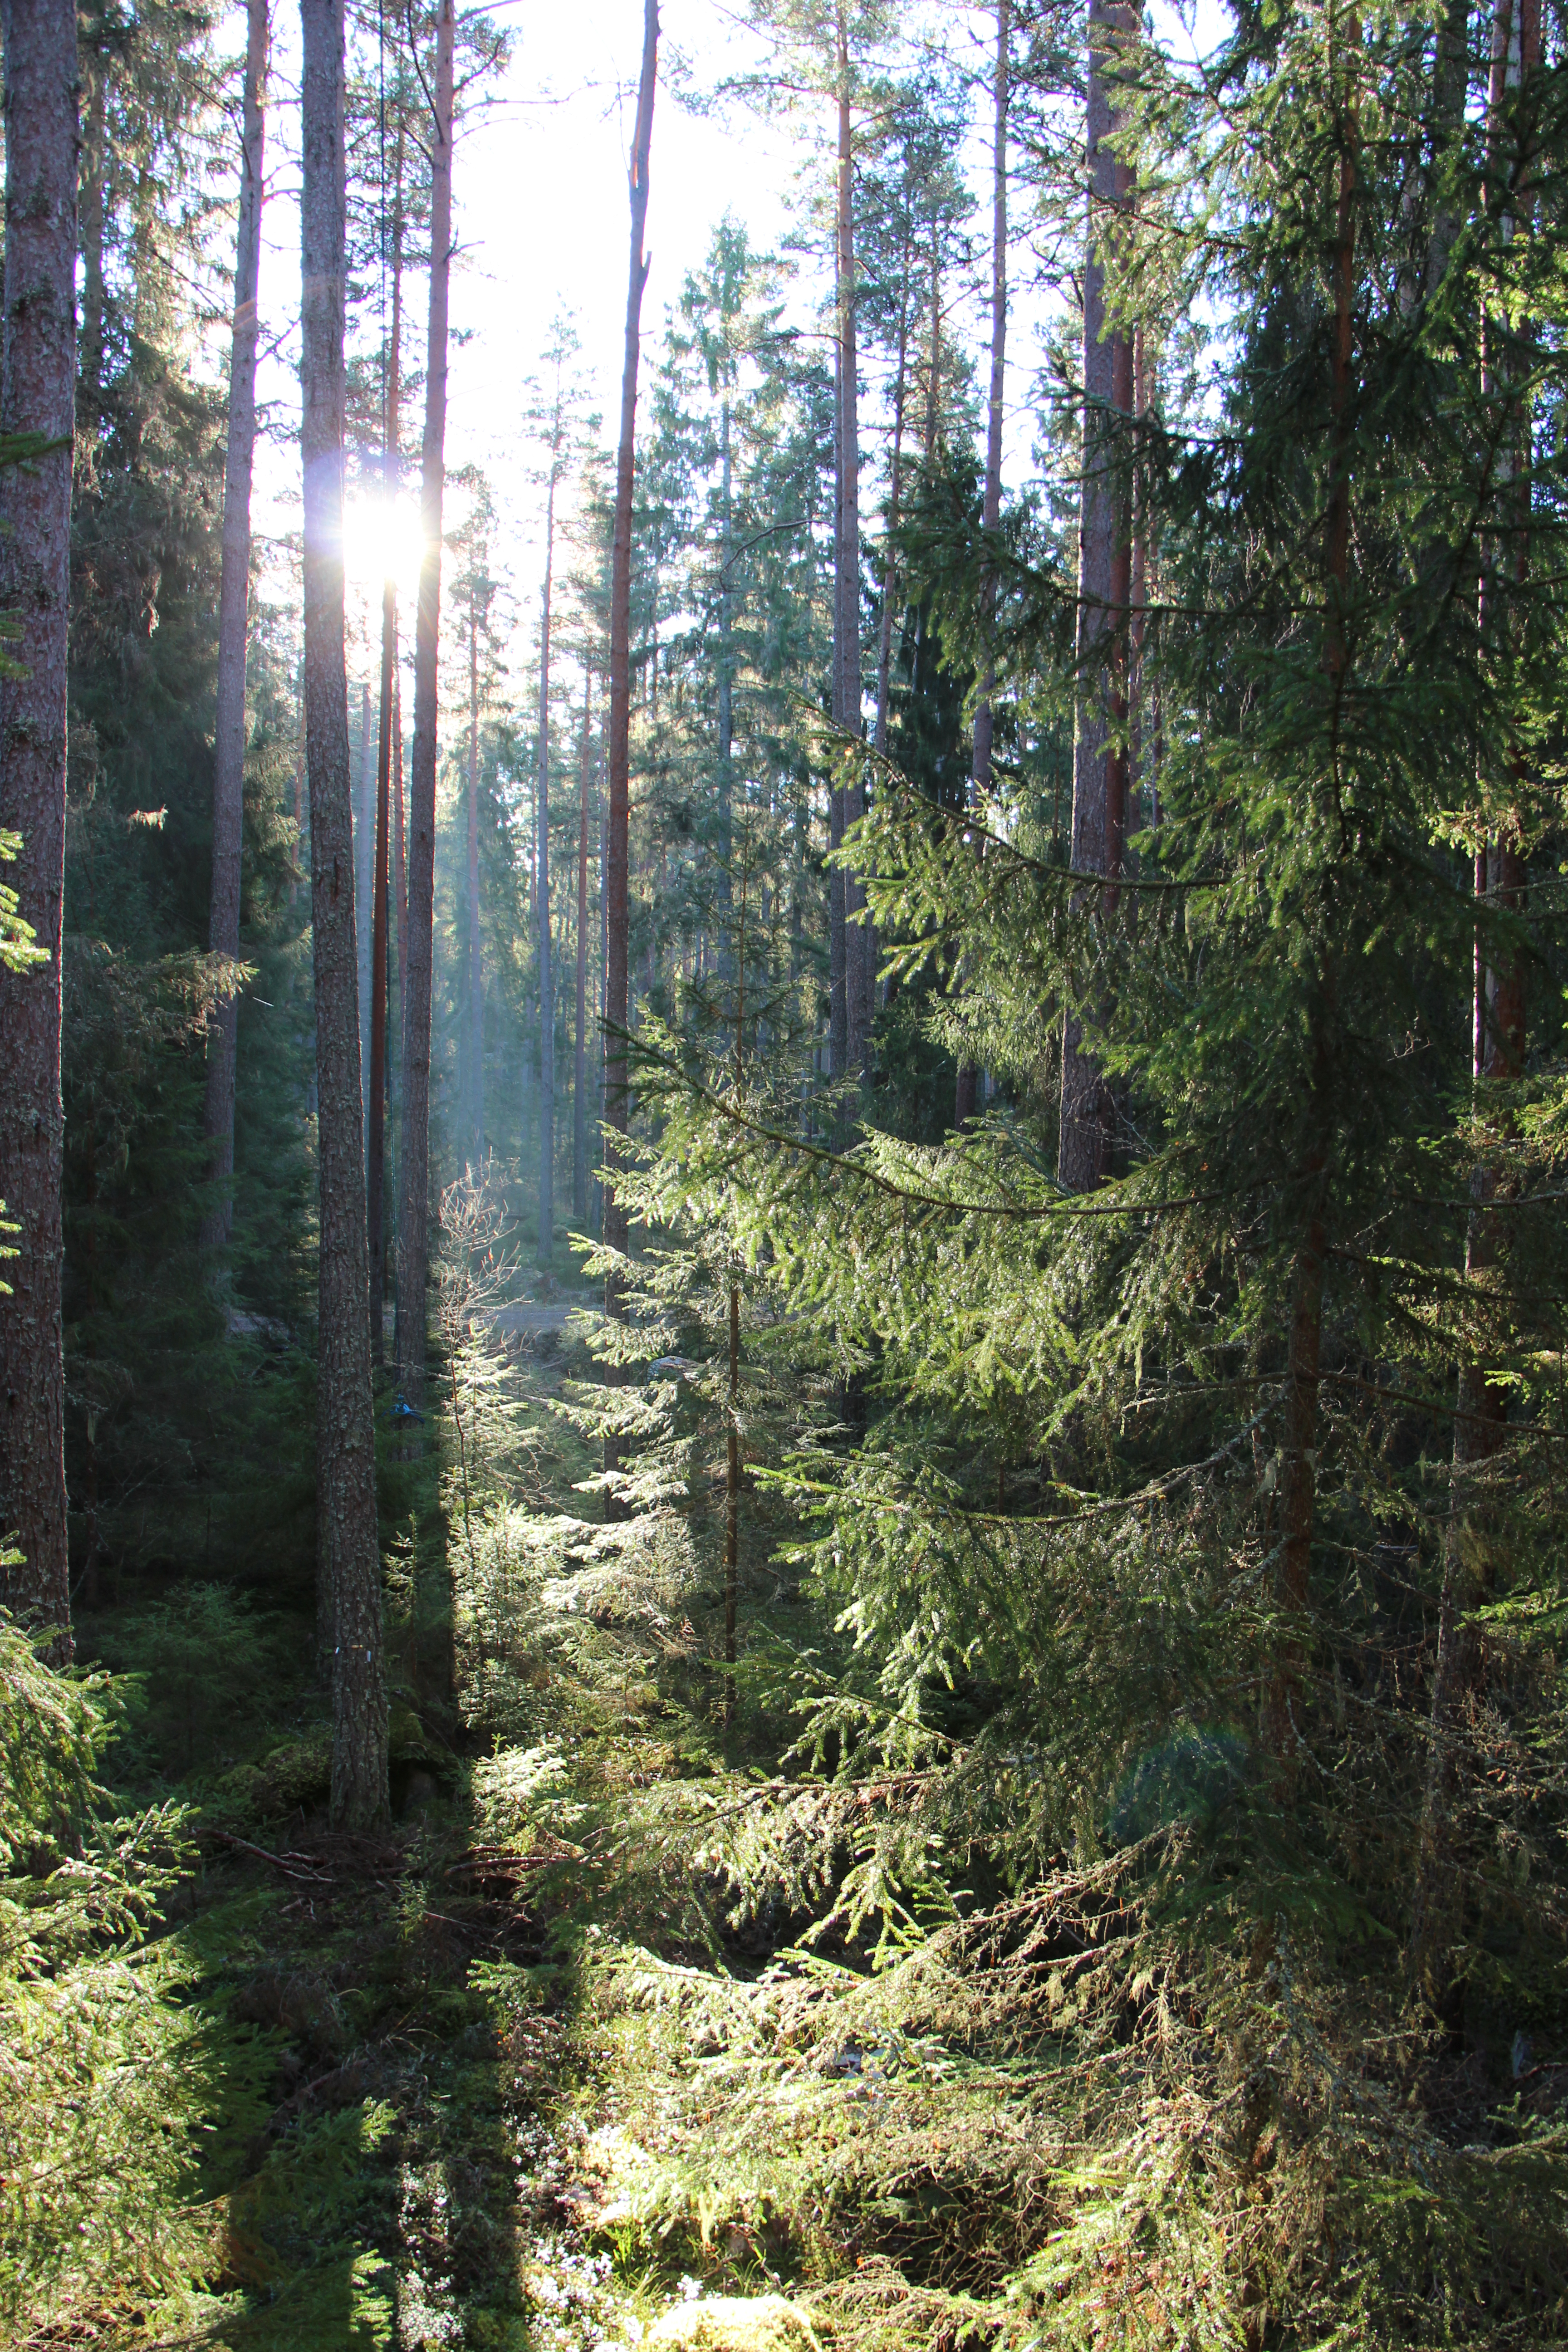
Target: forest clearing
[{"x": 783, "y": 1119}]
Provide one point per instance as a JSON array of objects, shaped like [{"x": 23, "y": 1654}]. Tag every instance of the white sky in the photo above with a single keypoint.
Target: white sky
[{"x": 540, "y": 200}]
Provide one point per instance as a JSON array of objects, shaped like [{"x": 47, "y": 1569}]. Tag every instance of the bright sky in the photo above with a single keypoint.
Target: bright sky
[{"x": 540, "y": 196}]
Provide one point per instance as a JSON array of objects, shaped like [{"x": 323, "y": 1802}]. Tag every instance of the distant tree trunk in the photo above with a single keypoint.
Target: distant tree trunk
[
  {"x": 858, "y": 953},
  {"x": 414, "y": 1218},
  {"x": 580, "y": 1071},
  {"x": 345, "y": 1447},
  {"x": 545, "y": 1250},
  {"x": 476, "y": 950},
  {"x": 1083, "y": 1158},
  {"x": 895, "y": 485},
  {"x": 726, "y": 692},
  {"x": 732, "y": 1418},
  {"x": 1499, "y": 1036},
  {"x": 618, "y": 1076},
  {"x": 837, "y": 900},
  {"x": 94, "y": 158},
  {"x": 233, "y": 592},
  {"x": 37, "y": 390},
  {"x": 991, "y": 508},
  {"x": 391, "y": 468},
  {"x": 364, "y": 890},
  {"x": 399, "y": 861}
]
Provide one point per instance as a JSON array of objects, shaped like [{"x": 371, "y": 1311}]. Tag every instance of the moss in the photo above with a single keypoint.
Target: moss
[{"x": 735, "y": 2322}]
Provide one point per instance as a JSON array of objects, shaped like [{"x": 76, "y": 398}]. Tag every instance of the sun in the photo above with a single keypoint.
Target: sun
[{"x": 381, "y": 536}]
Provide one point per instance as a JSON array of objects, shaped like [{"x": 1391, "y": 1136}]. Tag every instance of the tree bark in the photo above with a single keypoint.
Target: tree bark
[
  {"x": 617, "y": 1082},
  {"x": 234, "y": 593},
  {"x": 345, "y": 1448},
  {"x": 580, "y": 1070},
  {"x": 1083, "y": 1158},
  {"x": 545, "y": 1250},
  {"x": 413, "y": 1217},
  {"x": 476, "y": 950},
  {"x": 364, "y": 895},
  {"x": 391, "y": 470},
  {"x": 37, "y": 390},
  {"x": 859, "y": 960},
  {"x": 991, "y": 508},
  {"x": 895, "y": 485}
]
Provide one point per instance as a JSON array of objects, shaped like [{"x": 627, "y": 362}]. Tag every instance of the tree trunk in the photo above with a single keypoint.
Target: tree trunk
[
  {"x": 837, "y": 935},
  {"x": 895, "y": 485},
  {"x": 233, "y": 592},
  {"x": 545, "y": 1251},
  {"x": 858, "y": 953},
  {"x": 580, "y": 1070},
  {"x": 37, "y": 390},
  {"x": 476, "y": 951},
  {"x": 1083, "y": 1157},
  {"x": 726, "y": 696},
  {"x": 391, "y": 443},
  {"x": 345, "y": 1446},
  {"x": 365, "y": 892},
  {"x": 991, "y": 508},
  {"x": 617, "y": 1079},
  {"x": 413, "y": 1217},
  {"x": 1498, "y": 1012}
]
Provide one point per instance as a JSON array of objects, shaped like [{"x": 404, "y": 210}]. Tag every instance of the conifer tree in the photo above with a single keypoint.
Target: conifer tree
[
  {"x": 228, "y": 729},
  {"x": 38, "y": 393},
  {"x": 348, "y": 1549}
]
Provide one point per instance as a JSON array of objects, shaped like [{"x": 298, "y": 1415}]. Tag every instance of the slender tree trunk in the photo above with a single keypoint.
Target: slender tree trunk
[
  {"x": 345, "y": 1447},
  {"x": 618, "y": 1077},
  {"x": 838, "y": 934},
  {"x": 733, "y": 1419},
  {"x": 475, "y": 949},
  {"x": 37, "y": 389},
  {"x": 391, "y": 470},
  {"x": 1499, "y": 1013},
  {"x": 413, "y": 1217},
  {"x": 545, "y": 1251},
  {"x": 726, "y": 696},
  {"x": 580, "y": 1070},
  {"x": 895, "y": 485},
  {"x": 991, "y": 508},
  {"x": 1083, "y": 1157},
  {"x": 859, "y": 956},
  {"x": 233, "y": 592},
  {"x": 364, "y": 891},
  {"x": 399, "y": 861}
]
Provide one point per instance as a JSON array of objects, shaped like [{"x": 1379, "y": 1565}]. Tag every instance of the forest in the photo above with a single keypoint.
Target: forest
[{"x": 783, "y": 1278}]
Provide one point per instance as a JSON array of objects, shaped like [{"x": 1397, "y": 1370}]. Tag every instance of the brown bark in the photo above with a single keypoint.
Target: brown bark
[
  {"x": 346, "y": 1449},
  {"x": 1088, "y": 1117},
  {"x": 413, "y": 1217},
  {"x": 38, "y": 388},
  {"x": 546, "y": 960},
  {"x": 580, "y": 1070},
  {"x": 365, "y": 892},
  {"x": 476, "y": 951},
  {"x": 234, "y": 591},
  {"x": 391, "y": 470},
  {"x": 617, "y": 1081},
  {"x": 859, "y": 955},
  {"x": 991, "y": 510}
]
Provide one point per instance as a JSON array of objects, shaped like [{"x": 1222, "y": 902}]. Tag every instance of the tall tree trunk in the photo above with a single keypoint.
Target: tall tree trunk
[
  {"x": 1083, "y": 1156},
  {"x": 859, "y": 962},
  {"x": 234, "y": 593},
  {"x": 1498, "y": 1012},
  {"x": 895, "y": 485},
  {"x": 94, "y": 164},
  {"x": 365, "y": 892},
  {"x": 580, "y": 1070},
  {"x": 991, "y": 508},
  {"x": 476, "y": 950},
  {"x": 345, "y": 1447},
  {"x": 726, "y": 696},
  {"x": 617, "y": 1079},
  {"x": 837, "y": 935},
  {"x": 414, "y": 1216},
  {"x": 733, "y": 1417},
  {"x": 391, "y": 471},
  {"x": 37, "y": 390},
  {"x": 545, "y": 1250}
]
